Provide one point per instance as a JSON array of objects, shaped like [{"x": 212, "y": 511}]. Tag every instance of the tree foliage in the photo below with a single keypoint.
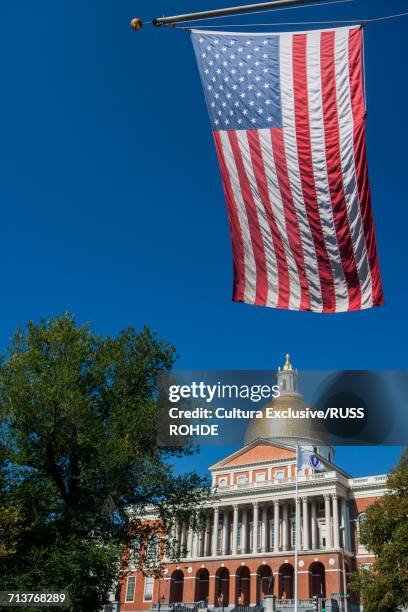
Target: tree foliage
[
  {"x": 77, "y": 451},
  {"x": 384, "y": 586}
]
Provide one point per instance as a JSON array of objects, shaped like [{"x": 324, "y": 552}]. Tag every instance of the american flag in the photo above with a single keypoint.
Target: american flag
[{"x": 288, "y": 117}]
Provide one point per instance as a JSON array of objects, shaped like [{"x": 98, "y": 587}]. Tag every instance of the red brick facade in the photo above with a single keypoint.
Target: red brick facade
[{"x": 259, "y": 480}]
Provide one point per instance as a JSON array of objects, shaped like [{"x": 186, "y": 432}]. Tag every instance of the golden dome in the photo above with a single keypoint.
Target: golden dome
[
  {"x": 279, "y": 429},
  {"x": 293, "y": 427}
]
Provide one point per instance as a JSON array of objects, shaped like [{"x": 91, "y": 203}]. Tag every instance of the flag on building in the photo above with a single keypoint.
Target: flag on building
[
  {"x": 307, "y": 459},
  {"x": 288, "y": 116}
]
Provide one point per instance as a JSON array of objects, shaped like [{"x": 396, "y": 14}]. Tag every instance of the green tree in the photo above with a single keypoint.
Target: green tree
[
  {"x": 77, "y": 451},
  {"x": 384, "y": 586}
]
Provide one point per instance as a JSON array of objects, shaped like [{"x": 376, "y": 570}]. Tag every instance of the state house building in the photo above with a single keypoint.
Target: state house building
[{"x": 248, "y": 532}]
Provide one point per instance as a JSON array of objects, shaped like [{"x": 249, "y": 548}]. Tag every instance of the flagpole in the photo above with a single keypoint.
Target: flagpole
[
  {"x": 172, "y": 20},
  {"x": 296, "y": 529}
]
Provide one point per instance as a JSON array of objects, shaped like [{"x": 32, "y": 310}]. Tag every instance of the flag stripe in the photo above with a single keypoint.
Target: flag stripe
[
  {"x": 258, "y": 164},
  {"x": 332, "y": 146},
  {"x": 306, "y": 171},
  {"x": 317, "y": 140},
  {"x": 292, "y": 226},
  {"x": 268, "y": 245},
  {"x": 254, "y": 229},
  {"x": 358, "y": 111},
  {"x": 308, "y": 261},
  {"x": 275, "y": 198},
  {"x": 348, "y": 168},
  {"x": 250, "y": 267},
  {"x": 238, "y": 256}
]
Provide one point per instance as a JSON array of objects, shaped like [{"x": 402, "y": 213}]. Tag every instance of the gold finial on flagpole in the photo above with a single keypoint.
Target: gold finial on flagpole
[{"x": 136, "y": 24}]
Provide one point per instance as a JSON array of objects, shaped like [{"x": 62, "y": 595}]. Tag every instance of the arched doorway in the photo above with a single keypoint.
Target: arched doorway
[
  {"x": 286, "y": 573},
  {"x": 176, "y": 587},
  {"x": 263, "y": 582},
  {"x": 317, "y": 580},
  {"x": 222, "y": 587},
  {"x": 202, "y": 583},
  {"x": 242, "y": 586}
]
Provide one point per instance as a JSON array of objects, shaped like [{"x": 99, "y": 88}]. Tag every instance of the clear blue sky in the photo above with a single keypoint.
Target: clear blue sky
[{"x": 112, "y": 207}]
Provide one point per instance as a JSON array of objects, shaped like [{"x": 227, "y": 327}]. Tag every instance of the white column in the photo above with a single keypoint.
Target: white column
[
  {"x": 276, "y": 526},
  {"x": 235, "y": 530},
  {"x": 201, "y": 538},
  {"x": 345, "y": 524},
  {"x": 255, "y": 528},
  {"x": 196, "y": 546},
  {"x": 244, "y": 531},
  {"x": 190, "y": 538},
  {"x": 215, "y": 531},
  {"x": 336, "y": 526},
  {"x": 306, "y": 542},
  {"x": 207, "y": 536},
  {"x": 264, "y": 527},
  {"x": 183, "y": 542},
  {"x": 327, "y": 521},
  {"x": 314, "y": 524},
  {"x": 225, "y": 532},
  {"x": 285, "y": 526},
  {"x": 348, "y": 529}
]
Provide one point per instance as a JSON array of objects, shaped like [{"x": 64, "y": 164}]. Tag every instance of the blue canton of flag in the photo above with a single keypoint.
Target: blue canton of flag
[{"x": 240, "y": 77}]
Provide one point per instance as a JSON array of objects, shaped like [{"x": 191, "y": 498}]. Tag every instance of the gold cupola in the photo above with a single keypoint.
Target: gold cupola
[{"x": 298, "y": 430}]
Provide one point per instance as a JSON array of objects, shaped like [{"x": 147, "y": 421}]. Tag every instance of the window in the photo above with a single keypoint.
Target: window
[
  {"x": 321, "y": 506},
  {"x": 148, "y": 588},
  {"x": 223, "y": 482},
  {"x": 260, "y": 477},
  {"x": 360, "y": 522},
  {"x": 279, "y": 474},
  {"x": 134, "y": 553},
  {"x": 152, "y": 548},
  {"x": 130, "y": 589},
  {"x": 242, "y": 480}
]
